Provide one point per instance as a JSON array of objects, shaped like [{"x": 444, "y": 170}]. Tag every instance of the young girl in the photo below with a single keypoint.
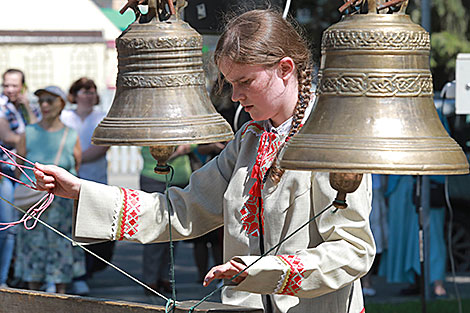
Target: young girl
[{"x": 318, "y": 269}]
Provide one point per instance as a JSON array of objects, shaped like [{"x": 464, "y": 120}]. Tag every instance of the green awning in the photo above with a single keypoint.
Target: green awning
[{"x": 121, "y": 21}]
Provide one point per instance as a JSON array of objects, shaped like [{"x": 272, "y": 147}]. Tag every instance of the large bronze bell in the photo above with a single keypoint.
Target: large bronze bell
[
  {"x": 374, "y": 110},
  {"x": 161, "y": 98}
]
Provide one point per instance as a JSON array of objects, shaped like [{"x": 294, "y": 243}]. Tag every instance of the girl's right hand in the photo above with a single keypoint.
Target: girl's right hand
[{"x": 57, "y": 180}]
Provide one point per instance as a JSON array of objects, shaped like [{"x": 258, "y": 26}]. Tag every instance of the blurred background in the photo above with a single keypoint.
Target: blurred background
[{"x": 57, "y": 42}]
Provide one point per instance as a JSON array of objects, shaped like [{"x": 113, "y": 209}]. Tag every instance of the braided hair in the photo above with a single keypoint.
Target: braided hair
[
  {"x": 263, "y": 37},
  {"x": 305, "y": 82}
]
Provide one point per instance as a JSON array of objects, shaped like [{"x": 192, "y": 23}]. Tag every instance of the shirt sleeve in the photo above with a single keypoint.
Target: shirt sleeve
[
  {"x": 346, "y": 253},
  {"x": 116, "y": 213}
]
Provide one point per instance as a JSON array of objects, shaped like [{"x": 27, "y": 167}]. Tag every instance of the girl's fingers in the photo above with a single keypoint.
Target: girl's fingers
[
  {"x": 41, "y": 177},
  {"x": 239, "y": 266},
  {"x": 226, "y": 271},
  {"x": 210, "y": 276}
]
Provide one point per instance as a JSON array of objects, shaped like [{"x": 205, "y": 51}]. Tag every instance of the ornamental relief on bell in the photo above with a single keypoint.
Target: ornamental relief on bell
[
  {"x": 354, "y": 39},
  {"x": 376, "y": 84},
  {"x": 159, "y": 43},
  {"x": 175, "y": 80}
]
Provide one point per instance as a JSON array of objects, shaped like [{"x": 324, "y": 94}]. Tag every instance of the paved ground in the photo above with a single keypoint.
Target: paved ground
[{"x": 109, "y": 284}]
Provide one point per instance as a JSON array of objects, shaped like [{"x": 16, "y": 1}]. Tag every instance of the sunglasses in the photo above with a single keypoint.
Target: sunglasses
[{"x": 47, "y": 98}]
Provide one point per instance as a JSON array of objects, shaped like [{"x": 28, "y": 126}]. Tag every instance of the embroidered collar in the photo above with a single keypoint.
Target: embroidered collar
[
  {"x": 271, "y": 139},
  {"x": 281, "y": 130},
  {"x": 285, "y": 127}
]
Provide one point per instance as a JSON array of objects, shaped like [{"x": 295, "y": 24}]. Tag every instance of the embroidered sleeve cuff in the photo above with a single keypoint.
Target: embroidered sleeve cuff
[
  {"x": 263, "y": 276},
  {"x": 282, "y": 274},
  {"x": 97, "y": 207}
]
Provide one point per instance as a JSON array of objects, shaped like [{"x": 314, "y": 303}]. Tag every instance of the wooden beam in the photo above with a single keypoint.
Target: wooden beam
[{"x": 27, "y": 301}]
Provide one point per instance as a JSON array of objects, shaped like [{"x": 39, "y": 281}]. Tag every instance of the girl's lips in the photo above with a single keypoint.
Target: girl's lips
[{"x": 247, "y": 108}]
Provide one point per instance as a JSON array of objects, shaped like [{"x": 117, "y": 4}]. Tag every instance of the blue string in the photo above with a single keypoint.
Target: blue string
[
  {"x": 171, "y": 302},
  {"x": 191, "y": 309}
]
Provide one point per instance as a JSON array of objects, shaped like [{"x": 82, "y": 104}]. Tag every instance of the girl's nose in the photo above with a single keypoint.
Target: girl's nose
[{"x": 236, "y": 94}]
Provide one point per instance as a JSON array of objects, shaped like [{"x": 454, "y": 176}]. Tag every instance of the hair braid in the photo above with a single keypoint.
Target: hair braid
[
  {"x": 305, "y": 83},
  {"x": 263, "y": 37}
]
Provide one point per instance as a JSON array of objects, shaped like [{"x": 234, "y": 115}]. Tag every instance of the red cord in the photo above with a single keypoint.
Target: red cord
[{"x": 39, "y": 207}]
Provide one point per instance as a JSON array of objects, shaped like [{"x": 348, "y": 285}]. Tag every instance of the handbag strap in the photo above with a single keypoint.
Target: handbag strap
[{"x": 61, "y": 147}]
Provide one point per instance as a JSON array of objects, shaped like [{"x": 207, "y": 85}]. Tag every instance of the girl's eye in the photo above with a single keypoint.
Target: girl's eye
[{"x": 245, "y": 82}]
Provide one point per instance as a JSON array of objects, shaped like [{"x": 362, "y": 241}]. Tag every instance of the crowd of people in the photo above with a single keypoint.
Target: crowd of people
[
  {"x": 44, "y": 131},
  {"x": 239, "y": 201}
]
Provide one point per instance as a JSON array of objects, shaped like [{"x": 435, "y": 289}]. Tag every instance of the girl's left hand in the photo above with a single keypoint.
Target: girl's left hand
[{"x": 226, "y": 271}]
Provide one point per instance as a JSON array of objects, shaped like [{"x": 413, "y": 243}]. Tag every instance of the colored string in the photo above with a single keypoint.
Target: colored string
[
  {"x": 44, "y": 202},
  {"x": 14, "y": 163},
  {"x": 89, "y": 251},
  {"x": 39, "y": 207},
  {"x": 191, "y": 309},
  {"x": 34, "y": 212},
  {"x": 171, "y": 303}
]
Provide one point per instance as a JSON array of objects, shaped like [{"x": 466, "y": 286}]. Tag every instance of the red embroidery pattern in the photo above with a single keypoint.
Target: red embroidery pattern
[
  {"x": 250, "y": 219},
  {"x": 252, "y": 211},
  {"x": 294, "y": 274},
  {"x": 130, "y": 209},
  {"x": 254, "y": 127}
]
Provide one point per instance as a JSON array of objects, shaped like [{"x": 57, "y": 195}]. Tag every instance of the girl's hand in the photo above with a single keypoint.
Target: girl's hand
[
  {"x": 226, "y": 271},
  {"x": 57, "y": 180}
]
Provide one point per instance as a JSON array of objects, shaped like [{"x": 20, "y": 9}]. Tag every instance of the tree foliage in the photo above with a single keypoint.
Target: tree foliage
[
  {"x": 445, "y": 47},
  {"x": 449, "y": 35},
  {"x": 450, "y": 31}
]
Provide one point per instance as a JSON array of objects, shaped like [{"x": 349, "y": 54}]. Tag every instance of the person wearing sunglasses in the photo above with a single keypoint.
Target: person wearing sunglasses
[{"x": 42, "y": 256}]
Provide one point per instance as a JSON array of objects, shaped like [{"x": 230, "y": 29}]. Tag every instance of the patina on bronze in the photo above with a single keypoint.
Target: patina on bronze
[
  {"x": 374, "y": 110},
  {"x": 344, "y": 183},
  {"x": 161, "y": 98}
]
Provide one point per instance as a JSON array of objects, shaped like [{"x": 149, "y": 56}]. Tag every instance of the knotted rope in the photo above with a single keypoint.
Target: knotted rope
[{"x": 39, "y": 207}]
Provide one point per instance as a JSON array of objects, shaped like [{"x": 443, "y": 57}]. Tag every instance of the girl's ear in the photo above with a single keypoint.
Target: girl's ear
[{"x": 286, "y": 68}]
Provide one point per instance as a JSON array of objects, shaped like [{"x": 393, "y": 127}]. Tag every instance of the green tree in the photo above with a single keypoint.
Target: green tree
[
  {"x": 450, "y": 32},
  {"x": 315, "y": 16},
  {"x": 449, "y": 35}
]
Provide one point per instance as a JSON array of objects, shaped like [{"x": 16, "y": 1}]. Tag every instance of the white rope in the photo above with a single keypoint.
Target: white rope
[
  {"x": 87, "y": 250},
  {"x": 286, "y": 9}
]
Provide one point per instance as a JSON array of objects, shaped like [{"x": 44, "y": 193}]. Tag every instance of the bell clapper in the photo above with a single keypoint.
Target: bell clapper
[
  {"x": 344, "y": 183},
  {"x": 162, "y": 154}
]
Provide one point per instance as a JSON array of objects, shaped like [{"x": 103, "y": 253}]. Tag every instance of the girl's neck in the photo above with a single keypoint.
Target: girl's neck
[
  {"x": 51, "y": 124},
  {"x": 83, "y": 111}
]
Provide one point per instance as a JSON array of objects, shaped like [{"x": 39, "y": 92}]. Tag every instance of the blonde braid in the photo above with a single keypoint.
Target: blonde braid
[{"x": 305, "y": 83}]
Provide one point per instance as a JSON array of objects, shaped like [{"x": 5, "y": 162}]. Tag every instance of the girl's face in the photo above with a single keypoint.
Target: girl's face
[
  {"x": 264, "y": 92},
  {"x": 86, "y": 97},
  {"x": 50, "y": 105}
]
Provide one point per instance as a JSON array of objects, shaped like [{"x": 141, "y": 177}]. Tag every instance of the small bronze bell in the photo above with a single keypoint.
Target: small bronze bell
[
  {"x": 161, "y": 98},
  {"x": 374, "y": 110}
]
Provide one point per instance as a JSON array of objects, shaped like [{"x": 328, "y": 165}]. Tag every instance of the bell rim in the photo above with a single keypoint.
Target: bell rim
[
  {"x": 396, "y": 169},
  {"x": 160, "y": 142}
]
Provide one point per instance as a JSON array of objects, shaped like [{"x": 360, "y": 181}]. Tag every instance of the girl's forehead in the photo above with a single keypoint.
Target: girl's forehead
[
  {"x": 228, "y": 67},
  {"x": 234, "y": 71}
]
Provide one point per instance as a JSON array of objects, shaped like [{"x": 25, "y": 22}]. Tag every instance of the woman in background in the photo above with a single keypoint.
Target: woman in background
[
  {"x": 42, "y": 256},
  {"x": 84, "y": 119}
]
